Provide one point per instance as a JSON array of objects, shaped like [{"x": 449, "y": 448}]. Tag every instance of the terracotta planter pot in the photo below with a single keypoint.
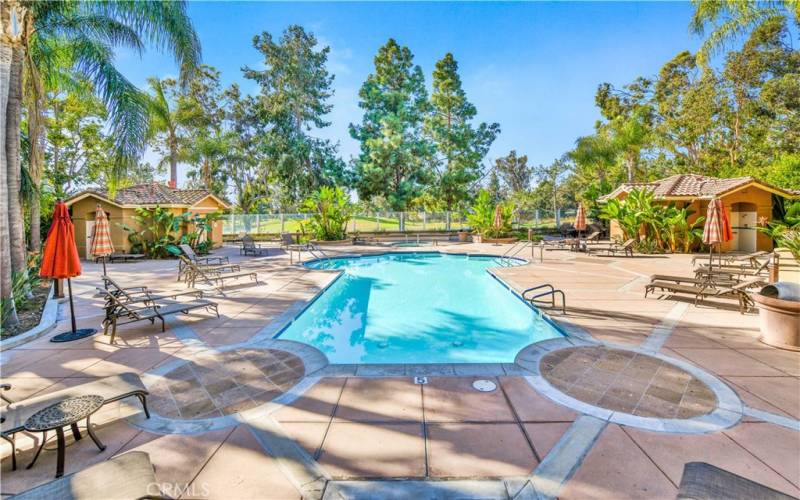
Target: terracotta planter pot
[
  {"x": 780, "y": 322},
  {"x": 477, "y": 238},
  {"x": 463, "y": 236}
]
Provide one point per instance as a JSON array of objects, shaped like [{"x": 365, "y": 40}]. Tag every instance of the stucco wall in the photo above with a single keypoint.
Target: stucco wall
[
  {"x": 760, "y": 198},
  {"x": 84, "y": 210}
]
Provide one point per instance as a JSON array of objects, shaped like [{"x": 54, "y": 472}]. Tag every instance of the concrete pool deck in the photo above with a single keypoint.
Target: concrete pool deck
[{"x": 344, "y": 429}]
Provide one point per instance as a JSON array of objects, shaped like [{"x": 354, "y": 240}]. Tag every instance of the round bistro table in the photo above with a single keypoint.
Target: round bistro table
[{"x": 59, "y": 415}]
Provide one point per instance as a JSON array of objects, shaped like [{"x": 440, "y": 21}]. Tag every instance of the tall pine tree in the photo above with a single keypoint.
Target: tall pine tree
[
  {"x": 295, "y": 88},
  {"x": 460, "y": 146},
  {"x": 395, "y": 155}
]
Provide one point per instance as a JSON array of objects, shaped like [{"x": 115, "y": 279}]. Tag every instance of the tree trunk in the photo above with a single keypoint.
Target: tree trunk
[
  {"x": 173, "y": 160},
  {"x": 16, "y": 220},
  {"x": 6, "y": 293},
  {"x": 629, "y": 166},
  {"x": 36, "y": 136},
  {"x": 36, "y": 169}
]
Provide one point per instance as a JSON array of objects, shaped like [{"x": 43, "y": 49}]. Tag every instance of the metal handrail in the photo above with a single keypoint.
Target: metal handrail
[
  {"x": 551, "y": 292},
  {"x": 525, "y": 245},
  {"x": 537, "y": 287}
]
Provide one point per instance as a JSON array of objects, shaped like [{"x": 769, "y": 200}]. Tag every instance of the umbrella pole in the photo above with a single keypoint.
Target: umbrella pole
[
  {"x": 71, "y": 305},
  {"x": 104, "y": 271}
]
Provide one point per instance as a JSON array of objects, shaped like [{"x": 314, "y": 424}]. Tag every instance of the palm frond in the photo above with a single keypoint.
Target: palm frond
[
  {"x": 127, "y": 105},
  {"x": 166, "y": 25},
  {"x": 98, "y": 27}
]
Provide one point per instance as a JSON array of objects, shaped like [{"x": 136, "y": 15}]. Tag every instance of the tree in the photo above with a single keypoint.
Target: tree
[
  {"x": 248, "y": 161},
  {"x": 200, "y": 113},
  {"x": 85, "y": 34},
  {"x": 730, "y": 19},
  {"x": 395, "y": 156},
  {"x": 686, "y": 100},
  {"x": 460, "y": 146},
  {"x": 514, "y": 172},
  {"x": 78, "y": 150},
  {"x": 493, "y": 187},
  {"x": 295, "y": 89},
  {"x": 164, "y": 122},
  {"x": 550, "y": 179}
]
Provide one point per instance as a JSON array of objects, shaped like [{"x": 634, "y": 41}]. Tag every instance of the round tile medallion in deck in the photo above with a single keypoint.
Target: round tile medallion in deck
[
  {"x": 213, "y": 384},
  {"x": 628, "y": 382}
]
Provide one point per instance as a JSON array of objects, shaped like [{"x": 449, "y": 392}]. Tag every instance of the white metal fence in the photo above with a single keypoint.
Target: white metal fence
[{"x": 389, "y": 221}]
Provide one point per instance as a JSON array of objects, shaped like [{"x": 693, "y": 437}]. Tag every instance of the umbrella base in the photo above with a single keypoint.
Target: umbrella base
[{"x": 76, "y": 335}]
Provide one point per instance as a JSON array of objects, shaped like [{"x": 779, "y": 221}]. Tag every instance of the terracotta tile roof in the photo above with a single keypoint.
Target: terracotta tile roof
[
  {"x": 191, "y": 196},
  {"x": 691, "y": 185},
  {"x": 153, "y": 193}
]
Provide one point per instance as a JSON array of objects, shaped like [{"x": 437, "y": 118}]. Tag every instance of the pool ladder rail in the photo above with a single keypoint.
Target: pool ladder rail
[
  {"x": 505, "y": 259},
  {"x": 551, "y": 292}
]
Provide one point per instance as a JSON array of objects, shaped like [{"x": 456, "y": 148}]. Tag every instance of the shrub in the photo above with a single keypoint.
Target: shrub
[
  {"x": 330, "y": 210},
  {"x": 662, "y": 227},
  {"x": 481, "y": 219}
]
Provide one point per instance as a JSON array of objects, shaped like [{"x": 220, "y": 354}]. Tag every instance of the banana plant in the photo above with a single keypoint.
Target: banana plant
[
  {"x": 155, "y": 230},
  {"x": 330, "y": 211}
]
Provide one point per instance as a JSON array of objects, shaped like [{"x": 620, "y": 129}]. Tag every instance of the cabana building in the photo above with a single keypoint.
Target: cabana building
[
  {"x": 121, "y": 209},
  {"x": 748, "y": 201}
]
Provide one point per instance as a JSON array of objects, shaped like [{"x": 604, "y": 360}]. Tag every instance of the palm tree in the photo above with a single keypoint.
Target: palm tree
[
  {"x": 85, "y": 34},
  {"x": 164, "y": 119},
  {"x": 731, "y": 19}
]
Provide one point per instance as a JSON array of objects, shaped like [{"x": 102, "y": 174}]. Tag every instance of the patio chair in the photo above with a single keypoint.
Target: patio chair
[
  {"x": 183, "y": 267},
  {"x": 762, "y": 269},
  {"x": 124, "y": 477},
  {"x": 112, "y": 389},
  {"x": 625, "y": 248},
  {"x": 249, "y": 247},
  {"x": 134, "y": 294},
  {"x": 747, "y": 260},
  {"x": 121, "y": 312},
  {"x": 702, "y": 481},
  {"x": 214, "y": 277},
  {"x": 288, "y": 242},
  {"x": 123, "y": 257},
  {"x": 200, "y": 261},
  {"x": 706, "y": 290}
]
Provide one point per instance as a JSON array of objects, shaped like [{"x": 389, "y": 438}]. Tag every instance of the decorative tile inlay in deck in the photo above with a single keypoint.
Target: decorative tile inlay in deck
[
  {"x": 628, "y": 382},
  {"x": 213, "y": 384}
]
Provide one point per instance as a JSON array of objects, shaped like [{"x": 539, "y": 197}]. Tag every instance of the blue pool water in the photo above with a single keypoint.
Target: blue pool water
[{"x": 417, "y": 308}]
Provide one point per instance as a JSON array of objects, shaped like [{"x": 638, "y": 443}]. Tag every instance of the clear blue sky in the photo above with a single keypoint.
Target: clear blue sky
[{"x": 531, "y": 67}]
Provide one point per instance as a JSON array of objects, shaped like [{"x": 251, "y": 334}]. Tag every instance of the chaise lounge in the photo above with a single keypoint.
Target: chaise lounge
[
  {"x": 213, "y": 277},
  {"x": 118, "y": 309},
  {"x": 707, "y": 289},
  {"x": 624, "y": 248},
  {"x": 112, "y": 389}
]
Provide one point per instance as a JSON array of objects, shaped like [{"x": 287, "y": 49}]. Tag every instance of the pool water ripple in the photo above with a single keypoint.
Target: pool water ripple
[{"x": 418, "y": 308}]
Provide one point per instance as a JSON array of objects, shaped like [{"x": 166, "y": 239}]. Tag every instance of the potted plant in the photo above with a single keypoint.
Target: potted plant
[{"x": 330, "y": 210}]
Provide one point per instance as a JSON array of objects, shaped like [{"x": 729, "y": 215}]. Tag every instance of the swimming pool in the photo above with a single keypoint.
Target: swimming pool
[{"x": 421, "y": 307}]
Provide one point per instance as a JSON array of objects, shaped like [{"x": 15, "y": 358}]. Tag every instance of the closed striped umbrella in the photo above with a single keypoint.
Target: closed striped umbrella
[
  {"x": 101, "y": 239},
  {"x": 580, "y": 219},
  {"x": 717, "y": 228},
  {"x": 498, "y": 217}
]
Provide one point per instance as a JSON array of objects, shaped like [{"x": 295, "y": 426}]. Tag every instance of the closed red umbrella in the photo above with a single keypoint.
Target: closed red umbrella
[
  {"x": 717, "y": 228},
  {"x": 60, "y": 261}
]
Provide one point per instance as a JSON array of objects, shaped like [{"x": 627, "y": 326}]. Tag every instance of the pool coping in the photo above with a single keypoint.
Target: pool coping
[{"x": 727, "y": 413}]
